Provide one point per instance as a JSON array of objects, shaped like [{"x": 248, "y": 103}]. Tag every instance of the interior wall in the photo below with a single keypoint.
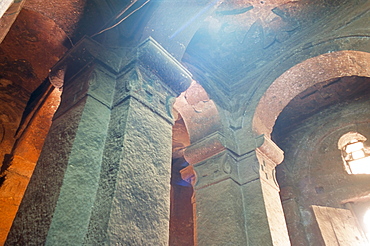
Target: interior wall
[
  {"x": 312, "y": 172},
  {"x": 19, "y": 163}
]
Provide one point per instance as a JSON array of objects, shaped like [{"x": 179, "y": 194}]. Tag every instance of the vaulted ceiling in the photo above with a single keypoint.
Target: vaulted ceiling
[{"x": 235, "y": 49}]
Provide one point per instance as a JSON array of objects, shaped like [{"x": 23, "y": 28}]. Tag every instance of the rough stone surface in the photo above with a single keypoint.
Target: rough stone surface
[
  {"x": 12, "y": 190},
  {"x": 21, "y": 48},
  {"x": 35, "y": 212},
  {"x": 240, "y": 49},
  {"x": 251, "y": 183},
  {"x": 219, "y": 213},
  {"x": 13, "y": 101},
  {"x": 272, "y": 202},
  {"x": 140, "y": 208},
  {"x": 258, "y": 232},
  {"x": 339, "y": 226},
  {"x": 26, "y": 55},
  {"x": 201, "y": 114},
  {"x": 313, "y": 71},
  {"x": 24, "y": 157},
  {"x": 70, "y": 182},
  {"x": 132, "y": 206},
  {"x": 134, "y": 195},
  {"x": 65, "y": 14},
  {"x": 97, "y": 231},
  {"x": 313, "y": 172},
  {"x": 77, "y": 195}
]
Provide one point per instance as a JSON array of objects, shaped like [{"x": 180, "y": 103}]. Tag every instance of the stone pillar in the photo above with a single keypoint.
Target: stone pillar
[
  {"x": 104, "y": 173},
  {"x": 264, "y": 213},
  {"x": 219, "y": 209},
  {"x": 236, "y": 196},
  {"x": 133, "y": 202},
  {"x": 57, "y": 204}
]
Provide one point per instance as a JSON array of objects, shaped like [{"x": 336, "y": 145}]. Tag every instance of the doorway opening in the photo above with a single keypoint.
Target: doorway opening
[{"x": 182, "y": 202}]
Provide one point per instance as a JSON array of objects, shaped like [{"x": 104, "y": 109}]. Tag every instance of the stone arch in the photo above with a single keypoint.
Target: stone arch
[
  {"x": 198, "y": 111},
  {"x": 196, "y": 117},
  {"x": 302, "y": 76}
]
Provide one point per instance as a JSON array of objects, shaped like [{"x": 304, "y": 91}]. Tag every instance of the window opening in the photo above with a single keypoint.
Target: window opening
[{"x": 355, "y": 156}]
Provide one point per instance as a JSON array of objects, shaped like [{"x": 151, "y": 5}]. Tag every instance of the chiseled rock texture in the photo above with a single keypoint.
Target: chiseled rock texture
[
  {"x": 132, "y": 206},
  {"x": 35, "y": 212}
]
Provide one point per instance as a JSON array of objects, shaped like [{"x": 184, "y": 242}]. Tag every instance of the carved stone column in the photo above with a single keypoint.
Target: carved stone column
[
  {"x": 264, "y": 213},
  {"x": 218, "y": 198},
  {"x": 133, "y": 202},
  {"x": 57, "y": 204},
  {"x": 104, "y": 173},
  {"x": 236, "y": 196}
]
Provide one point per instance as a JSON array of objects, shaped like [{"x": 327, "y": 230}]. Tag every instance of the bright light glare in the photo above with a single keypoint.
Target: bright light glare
[
  {"x": 366, "y": 221},
  {"x": 358, "y": 154},
  {"x": 354, "y": 147},
  {"x": 360, "y": 166}
]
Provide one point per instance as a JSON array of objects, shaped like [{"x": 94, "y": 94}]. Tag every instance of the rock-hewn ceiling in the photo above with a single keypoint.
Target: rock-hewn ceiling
[
  {"x": 238, "y": 36},
  {"x": 243, "y": 31},
  {"x": 36, "y": 41}
]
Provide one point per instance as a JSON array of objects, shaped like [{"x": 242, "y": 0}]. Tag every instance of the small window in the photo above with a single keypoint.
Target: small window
[{"x": 356, "y": 157}]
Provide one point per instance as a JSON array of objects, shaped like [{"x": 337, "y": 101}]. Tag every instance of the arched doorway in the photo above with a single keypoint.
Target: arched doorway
[{"x": 309, "y": 108}]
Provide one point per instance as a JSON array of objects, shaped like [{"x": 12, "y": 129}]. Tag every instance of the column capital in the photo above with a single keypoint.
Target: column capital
[
  {"x": 269, "y": 148},
  {"x": 260, "y": 161},
  {"x": 81, "y": 56},
  {"x": 149, "y": 54},
  {"x": 213, "y": 162},
  {"x": 146, "y": 72},
  {"x": 205, "y": 148},
  {"x": 155, "y": 58},
  {"x": 188, "y": 174},
  {"x": 215, "y": 169},
  {"x": 152, "y": 77}
]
